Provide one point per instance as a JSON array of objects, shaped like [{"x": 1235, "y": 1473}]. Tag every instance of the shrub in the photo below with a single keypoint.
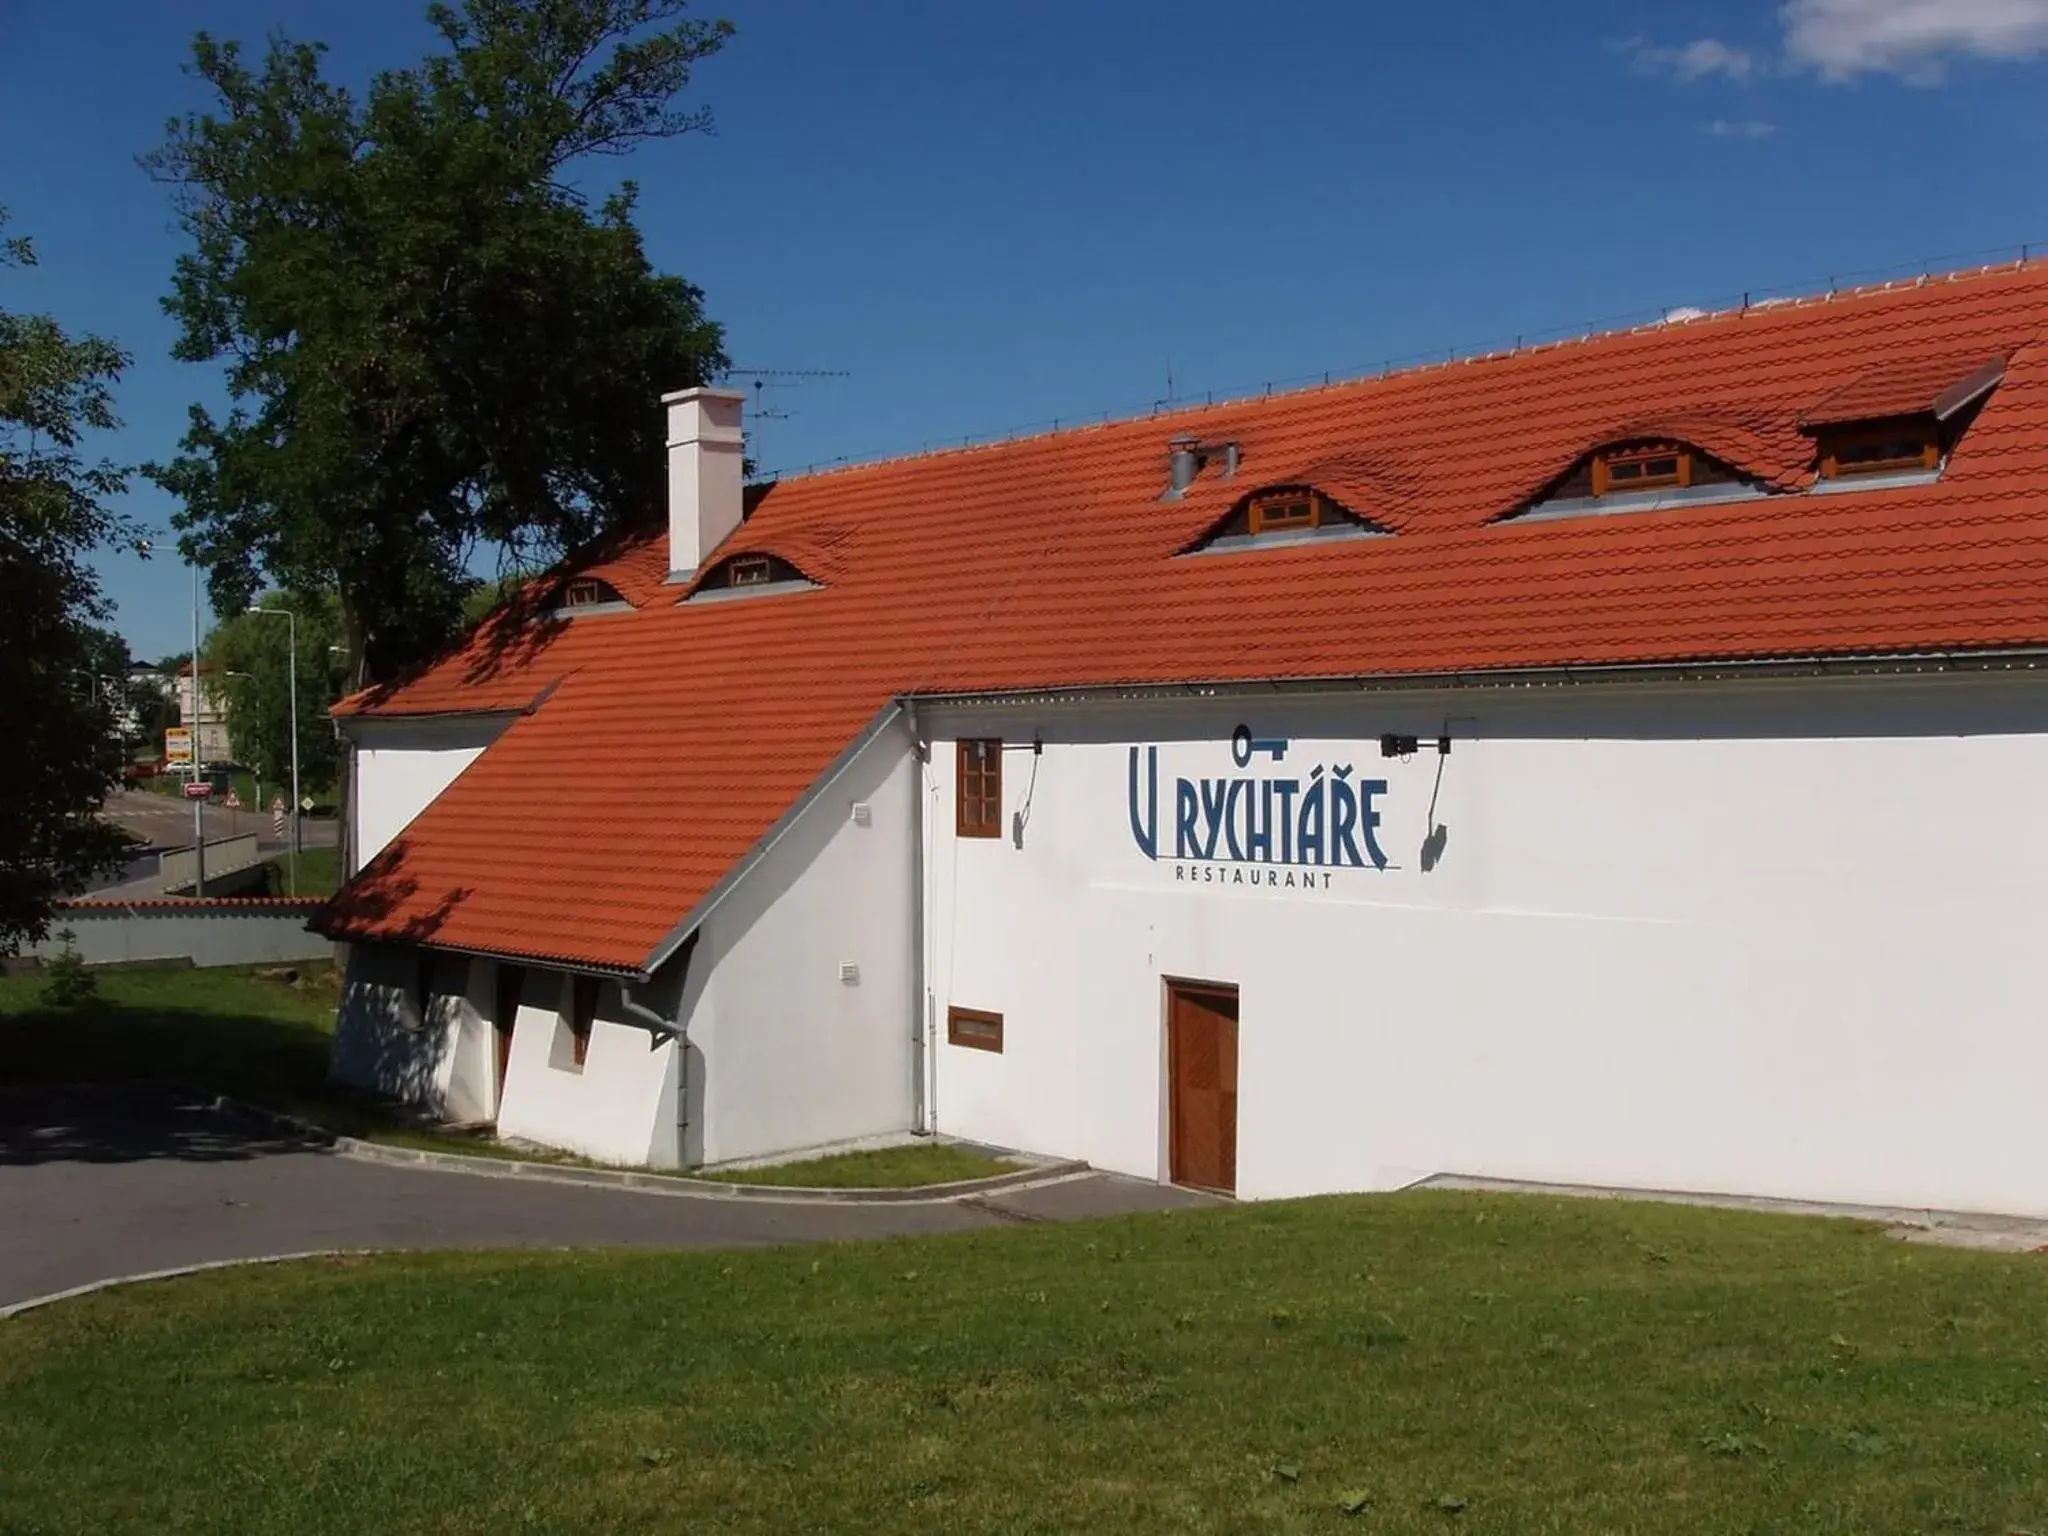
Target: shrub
[{"x": 67, "y": 983}]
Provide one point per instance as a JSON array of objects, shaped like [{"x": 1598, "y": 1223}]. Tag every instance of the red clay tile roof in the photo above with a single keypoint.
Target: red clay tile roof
[
  {"x": 1913, "y": 386},
  {"x": 676, "y": 735}
]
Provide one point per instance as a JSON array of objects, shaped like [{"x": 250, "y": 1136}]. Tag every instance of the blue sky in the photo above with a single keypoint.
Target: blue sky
[{"x": 993, "y": 215}]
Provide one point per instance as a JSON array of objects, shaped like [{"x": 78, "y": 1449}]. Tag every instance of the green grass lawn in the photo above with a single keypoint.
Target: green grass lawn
[
  {"x": 225, "y": 1029},
  {"x": 1413, "y": 1363},
  {"x": 319, "y": 873},
  {"x": 881, "y": 1168}
]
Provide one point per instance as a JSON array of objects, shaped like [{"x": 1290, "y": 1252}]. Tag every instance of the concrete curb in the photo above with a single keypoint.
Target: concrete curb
[
  {"x": 17, "y": 1308},
  {"x": 1986, "y": 1230},
  {"x": 630, "y": 1179}
]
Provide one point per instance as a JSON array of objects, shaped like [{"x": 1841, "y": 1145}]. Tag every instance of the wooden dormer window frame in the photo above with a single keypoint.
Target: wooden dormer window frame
[
  {"x": 1285, "y": 512},
  {"x": 1631, "y": 467},
  {"x": 587, "y": 592},
  {"x": 1907, "y": 446},
  {"x": 749, "y": 571}
]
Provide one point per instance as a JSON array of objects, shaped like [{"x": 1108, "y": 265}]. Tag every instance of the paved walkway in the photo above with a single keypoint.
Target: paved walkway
[{"x": 98, "y": 1184}]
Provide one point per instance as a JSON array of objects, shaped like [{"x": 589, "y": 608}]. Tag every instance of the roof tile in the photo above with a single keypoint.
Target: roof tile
[{"x": 658, "y": 747}]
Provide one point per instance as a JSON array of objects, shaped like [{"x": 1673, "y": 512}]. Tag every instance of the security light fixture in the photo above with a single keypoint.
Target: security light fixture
[{"x": 1392, "y": 745}]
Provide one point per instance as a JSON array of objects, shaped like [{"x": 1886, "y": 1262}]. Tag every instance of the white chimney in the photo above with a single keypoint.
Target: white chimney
[{"x": 705, "y": 450}]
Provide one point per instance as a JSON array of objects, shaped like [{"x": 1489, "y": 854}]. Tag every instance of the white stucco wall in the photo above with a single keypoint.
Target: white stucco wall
[
  {"x": 1778, "y": 938},
  {"x": 402, "y": 765},
  {"x": 435, "y": 1057},
  {"x": 619, "y": 1106},
  {"x": 787, "y": 1053},
  {"x": 781, "y": 1051}
]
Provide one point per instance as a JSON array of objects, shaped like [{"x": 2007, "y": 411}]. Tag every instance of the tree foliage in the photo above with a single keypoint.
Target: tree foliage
[
  {"x": 253, "y": 652},
  {"x": 56, "y": 719},
  {"x": 435, "y": 344}
]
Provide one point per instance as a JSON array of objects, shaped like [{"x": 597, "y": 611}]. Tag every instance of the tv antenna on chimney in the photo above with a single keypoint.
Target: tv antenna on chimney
[{"x": 773, "y": 378}]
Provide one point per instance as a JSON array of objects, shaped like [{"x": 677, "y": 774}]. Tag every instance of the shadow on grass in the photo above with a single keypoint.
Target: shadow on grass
[
  {"x": 127, "y": 1123},
  {"x": 118, "y": 1082}
]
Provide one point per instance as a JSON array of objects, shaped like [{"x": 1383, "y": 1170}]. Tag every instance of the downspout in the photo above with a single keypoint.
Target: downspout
[
  {"x": 670, "y": 1029},
  {"x": 920, "y": 1108}
]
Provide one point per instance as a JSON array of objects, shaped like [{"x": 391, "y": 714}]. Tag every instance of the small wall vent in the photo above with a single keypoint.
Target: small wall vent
[{"x": 849, "y": 973}]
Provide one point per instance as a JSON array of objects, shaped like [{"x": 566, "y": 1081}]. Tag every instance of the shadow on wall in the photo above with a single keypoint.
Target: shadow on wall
[
  {"x": 125, "y": 1123},
  {"x": 383, "y": 1041},
  {"x": 1433, "y": 846}
]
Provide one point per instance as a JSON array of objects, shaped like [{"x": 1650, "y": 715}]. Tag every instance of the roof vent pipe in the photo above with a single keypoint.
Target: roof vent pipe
[
  {"x": 1187, "y": 463},
  {"x": 1232, "y": 454}
]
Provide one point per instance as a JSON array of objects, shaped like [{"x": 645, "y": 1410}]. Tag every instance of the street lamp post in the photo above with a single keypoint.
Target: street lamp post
[{"x": 292, "y": 639}]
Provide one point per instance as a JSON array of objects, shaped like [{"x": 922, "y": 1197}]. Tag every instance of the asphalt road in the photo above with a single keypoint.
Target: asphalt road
[
  {"x": 161, "y": 822},
  {"x": 166, "y": 823},
  {"x": 96, "y": 1184}
]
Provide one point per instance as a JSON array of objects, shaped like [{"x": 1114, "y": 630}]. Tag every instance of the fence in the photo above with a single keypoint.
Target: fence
[{"x": 209, "y": 931}]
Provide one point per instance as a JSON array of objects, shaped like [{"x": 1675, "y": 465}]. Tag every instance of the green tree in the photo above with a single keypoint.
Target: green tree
[
  {"x": 56, "y": 720},
  {"x": 253, "y": 651},
  {"x": 435, "y": 344}
]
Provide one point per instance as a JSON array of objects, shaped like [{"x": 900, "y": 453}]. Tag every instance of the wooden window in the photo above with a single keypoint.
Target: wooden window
[
  {"x": 582, "y": 1014},
  {"x": 975, "y": 1028},
  {"x": 749, "y": 571},
  {"x": 584, "y": 591},
  {"x": 423, "y": 989},
  {"x": 979, "y": 789},
  {"x": 1880, "y": 450},
  {"x": 1285, "y": 512},
  {"x": 1642, "y": 467}
]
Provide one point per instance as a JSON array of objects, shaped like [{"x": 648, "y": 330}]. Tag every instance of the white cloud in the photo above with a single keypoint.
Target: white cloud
[
  {"x": 1695, "y": 61},
  {"x": 1909, "y": 38},
  {"x": 1741, "y": 128}
]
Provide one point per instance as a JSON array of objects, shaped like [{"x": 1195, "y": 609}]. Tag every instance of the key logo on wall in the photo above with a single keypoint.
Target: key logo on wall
[{"x": 1270, "y": 823}]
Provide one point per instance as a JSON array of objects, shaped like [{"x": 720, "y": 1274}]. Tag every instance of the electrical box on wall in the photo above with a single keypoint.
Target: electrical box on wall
[{"x": 862, "y": 815}]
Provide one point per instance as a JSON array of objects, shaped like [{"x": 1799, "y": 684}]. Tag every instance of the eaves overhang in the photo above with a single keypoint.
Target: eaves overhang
[{"x": 1561, "y": 675}]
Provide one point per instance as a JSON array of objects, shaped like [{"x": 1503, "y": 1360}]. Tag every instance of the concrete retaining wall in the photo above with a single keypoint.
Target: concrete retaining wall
[{"x": 230, "y": 931}]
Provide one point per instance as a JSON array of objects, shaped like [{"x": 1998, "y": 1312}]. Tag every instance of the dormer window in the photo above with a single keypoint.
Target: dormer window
[
  {"x": 1283, "y": 515},
  {"x": 1285, "y": 512},
  {"x": 1640, "y": 474},
  {"x": 1885, "y": 448},
  {"x": 1642, "y": 467},
  {"x": 753, "y": 573},
  {"x": 1899, "y": 420},
  {"x": 588, "y": 592}
]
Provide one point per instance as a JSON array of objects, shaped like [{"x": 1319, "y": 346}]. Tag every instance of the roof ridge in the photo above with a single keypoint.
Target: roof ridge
[{"x": 1672, "y": 319}]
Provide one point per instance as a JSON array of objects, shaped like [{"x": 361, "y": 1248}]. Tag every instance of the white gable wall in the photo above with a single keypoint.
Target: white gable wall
[
  {"x": 402, "y": 765},
  {"x": 792, "y": 1054},
  {"x": 1777, "y": 938}
]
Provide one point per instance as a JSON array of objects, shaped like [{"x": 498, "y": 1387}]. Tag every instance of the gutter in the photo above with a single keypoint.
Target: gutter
[
  {"x": 622, "y": 974},
  {"x": 696, "y": 916},
  {"x": 2020, "y": 658}
]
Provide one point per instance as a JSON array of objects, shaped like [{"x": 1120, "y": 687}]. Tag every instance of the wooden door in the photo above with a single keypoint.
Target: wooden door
[
  {"x": 504, "y": 1014},
  {"x": 1201, "y": 1075}
]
